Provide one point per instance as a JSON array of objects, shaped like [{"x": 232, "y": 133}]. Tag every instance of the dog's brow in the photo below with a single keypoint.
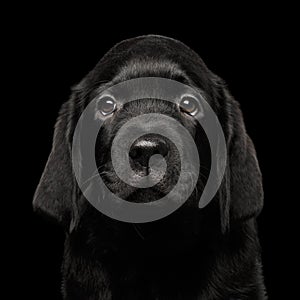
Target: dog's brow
[{"x": 155, "y": 68}]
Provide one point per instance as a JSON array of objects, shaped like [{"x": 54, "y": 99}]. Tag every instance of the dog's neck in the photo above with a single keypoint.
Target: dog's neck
[{"x": 191, "y": 274}]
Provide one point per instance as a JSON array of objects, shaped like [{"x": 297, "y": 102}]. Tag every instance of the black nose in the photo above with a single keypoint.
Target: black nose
[{"x": 145, "y": 147}]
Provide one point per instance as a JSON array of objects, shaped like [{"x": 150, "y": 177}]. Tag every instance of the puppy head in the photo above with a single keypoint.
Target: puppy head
[
  {"x": 240, "y": 195},
  {"x": 156, "y": 134}
]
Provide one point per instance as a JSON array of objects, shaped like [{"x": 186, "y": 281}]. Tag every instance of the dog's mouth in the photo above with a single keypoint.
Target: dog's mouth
[
  {"x": 160, "y": 190},
  {"x": 157, "y": 188}
]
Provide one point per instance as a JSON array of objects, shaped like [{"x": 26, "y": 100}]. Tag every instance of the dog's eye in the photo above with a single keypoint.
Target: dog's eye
[
  {"x": 189, "y": 104},
  {"x": 107, "y": 105}
]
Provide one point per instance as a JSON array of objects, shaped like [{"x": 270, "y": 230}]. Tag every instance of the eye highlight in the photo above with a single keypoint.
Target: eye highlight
[
  {"x": 106, "y": 105},
  {"x": 189, "y": 104}
]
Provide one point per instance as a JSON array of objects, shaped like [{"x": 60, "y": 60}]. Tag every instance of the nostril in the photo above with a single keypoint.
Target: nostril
[
  {"x": 162, "y": 148},
  {"x": 133, "y": 153}
]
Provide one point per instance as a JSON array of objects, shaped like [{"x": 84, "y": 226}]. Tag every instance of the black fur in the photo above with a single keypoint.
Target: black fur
[{"x": 212, "y": 253}]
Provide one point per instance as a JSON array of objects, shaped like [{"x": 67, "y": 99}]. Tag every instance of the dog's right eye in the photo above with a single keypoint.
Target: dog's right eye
[{"x": 107, "y": 105}]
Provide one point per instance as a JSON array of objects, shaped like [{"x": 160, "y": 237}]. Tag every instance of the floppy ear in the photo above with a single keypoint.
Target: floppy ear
[
  {"x": 246, "y": 191},
  {"x": 56, "y": 191},
  {"x": 241, "y": 192}
]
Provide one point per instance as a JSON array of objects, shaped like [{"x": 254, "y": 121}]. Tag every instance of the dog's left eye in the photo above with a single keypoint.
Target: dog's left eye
[
  {"x": 107, "y": 105},
  {"x": 189, "y": 104}
]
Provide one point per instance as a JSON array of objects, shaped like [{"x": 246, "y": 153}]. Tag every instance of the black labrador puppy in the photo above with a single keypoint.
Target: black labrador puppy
[{"x": 210, "y": 253}]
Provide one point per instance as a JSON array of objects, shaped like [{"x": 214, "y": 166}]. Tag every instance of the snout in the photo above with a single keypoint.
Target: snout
[{"x": 146, "y": 147}]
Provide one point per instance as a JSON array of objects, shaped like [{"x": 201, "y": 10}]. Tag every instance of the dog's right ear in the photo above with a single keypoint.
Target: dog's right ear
[{"x": 57, "y": 189}]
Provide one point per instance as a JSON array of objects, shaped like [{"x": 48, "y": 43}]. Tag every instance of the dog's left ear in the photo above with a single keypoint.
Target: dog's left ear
[
  {"x": 246, "y": 191},
  {"x": 241, "y": 190},
  {"x": 57, "y": 189}
]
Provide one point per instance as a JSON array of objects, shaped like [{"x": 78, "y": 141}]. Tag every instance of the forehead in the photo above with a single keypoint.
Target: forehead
[
  {"x": 149, "y": 78},
  {"x": 150, "y": 67}
]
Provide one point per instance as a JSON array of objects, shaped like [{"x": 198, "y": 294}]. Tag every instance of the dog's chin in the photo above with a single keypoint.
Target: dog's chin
[
  {"x": 131, "y": 193},
  {"x": 142, "y": 196},
  {"x": 139, "y": 195}
]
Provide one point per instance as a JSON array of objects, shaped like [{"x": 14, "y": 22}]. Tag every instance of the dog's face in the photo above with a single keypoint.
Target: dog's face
[
  {"x": 240, "y": 195},
  {"x": 114, "y": 114},
  {"x": 141, "y": 151}
]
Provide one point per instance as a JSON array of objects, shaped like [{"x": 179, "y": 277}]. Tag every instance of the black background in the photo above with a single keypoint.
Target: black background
[{"x": 53, "y": 50}]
